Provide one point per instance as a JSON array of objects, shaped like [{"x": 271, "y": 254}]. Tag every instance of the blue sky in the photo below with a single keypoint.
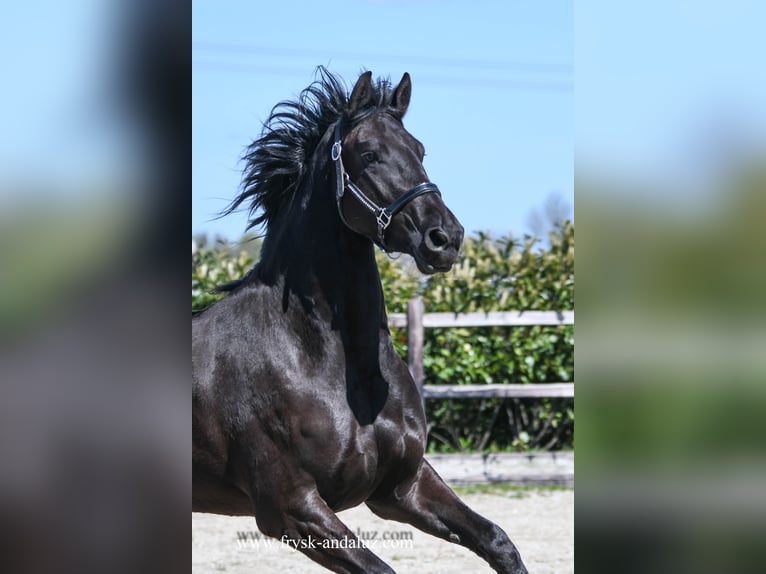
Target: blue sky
[
  {"x": 492, "y": 93},
  {"x": 668, "y": 94}
]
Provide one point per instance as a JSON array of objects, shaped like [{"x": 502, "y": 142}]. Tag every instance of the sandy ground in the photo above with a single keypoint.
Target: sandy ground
[{"x": 540, "y": 523}]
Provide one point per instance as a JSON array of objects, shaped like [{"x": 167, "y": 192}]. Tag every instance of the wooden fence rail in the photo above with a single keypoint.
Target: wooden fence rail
[{"x": 416, "y": 320}]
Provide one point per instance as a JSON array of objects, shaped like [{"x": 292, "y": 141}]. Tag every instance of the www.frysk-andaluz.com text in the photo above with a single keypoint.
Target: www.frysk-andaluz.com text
[{"x": 361, "y": 539}]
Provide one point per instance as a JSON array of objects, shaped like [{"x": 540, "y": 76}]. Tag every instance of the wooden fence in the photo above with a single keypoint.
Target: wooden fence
[{"x": 416, "y": 320}]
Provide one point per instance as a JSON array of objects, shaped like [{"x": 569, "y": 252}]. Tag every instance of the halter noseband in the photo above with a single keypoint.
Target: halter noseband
[{"x": 383, "y": 215}]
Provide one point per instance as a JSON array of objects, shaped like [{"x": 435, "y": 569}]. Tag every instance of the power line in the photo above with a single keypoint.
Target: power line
[
  {"x": 473, "y": 64},
  {"x": 453, "y": 80}
]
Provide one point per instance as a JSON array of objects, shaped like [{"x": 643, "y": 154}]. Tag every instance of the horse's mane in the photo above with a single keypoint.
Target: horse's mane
[{"x": 277, "y": 163}]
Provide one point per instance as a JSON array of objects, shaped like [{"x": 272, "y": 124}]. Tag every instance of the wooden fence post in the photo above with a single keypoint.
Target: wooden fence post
[{"x": 415, "y": 311}]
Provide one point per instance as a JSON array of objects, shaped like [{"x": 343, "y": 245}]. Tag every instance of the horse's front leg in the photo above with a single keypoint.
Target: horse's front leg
[
  {"x": 293, "y": 512},
  {"x": 429, "y": 504}
]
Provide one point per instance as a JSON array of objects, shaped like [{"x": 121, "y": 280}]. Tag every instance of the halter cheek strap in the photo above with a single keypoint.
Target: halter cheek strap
[{"x": 383, "y": 215}]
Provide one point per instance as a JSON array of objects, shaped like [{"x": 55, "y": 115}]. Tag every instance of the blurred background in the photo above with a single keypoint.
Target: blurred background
[
  {"x": 669, "y": 140},
  {"x": 94, "y": 203},
  {"x": 670, "y": 148}
]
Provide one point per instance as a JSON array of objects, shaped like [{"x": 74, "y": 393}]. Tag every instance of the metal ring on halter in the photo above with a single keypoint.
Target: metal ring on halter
[{"x": 337, "y": 148}]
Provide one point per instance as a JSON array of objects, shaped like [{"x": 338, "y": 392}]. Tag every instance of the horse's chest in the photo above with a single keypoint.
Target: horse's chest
[{"x": 349, "y": 460}]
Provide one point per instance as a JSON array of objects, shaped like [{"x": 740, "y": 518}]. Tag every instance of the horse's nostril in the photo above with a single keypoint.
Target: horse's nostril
[{"x": 436, "y": 239}]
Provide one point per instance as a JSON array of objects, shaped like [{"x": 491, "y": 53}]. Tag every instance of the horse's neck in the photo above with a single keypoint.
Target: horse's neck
[
  {"x": 347, "y": 278},
  {"x": 333, "y": 270},
  {"x": 359, "y": 285}
]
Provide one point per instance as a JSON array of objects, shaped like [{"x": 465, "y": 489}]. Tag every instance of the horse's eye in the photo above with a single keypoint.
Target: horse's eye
[{"x": 370, "y": 156}]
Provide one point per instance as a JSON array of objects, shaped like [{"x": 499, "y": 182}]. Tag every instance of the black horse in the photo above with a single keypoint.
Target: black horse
[{"x": 301, "y": 406}]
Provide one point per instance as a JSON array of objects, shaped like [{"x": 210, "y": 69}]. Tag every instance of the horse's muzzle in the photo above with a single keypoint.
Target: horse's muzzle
[{"x": 439, "y": 248}]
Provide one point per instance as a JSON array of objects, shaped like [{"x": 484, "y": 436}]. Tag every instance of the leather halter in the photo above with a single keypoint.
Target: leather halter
[{"x": 383, "y": 215}]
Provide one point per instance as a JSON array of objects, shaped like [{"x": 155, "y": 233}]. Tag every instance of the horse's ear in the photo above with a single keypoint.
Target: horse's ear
[
  {"x": 361, "y": 95},
  {"x": 401, "y": 100}
]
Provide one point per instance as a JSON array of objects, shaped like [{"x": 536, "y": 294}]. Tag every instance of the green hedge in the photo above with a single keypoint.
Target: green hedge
[{"x": 493, "y": 274}]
